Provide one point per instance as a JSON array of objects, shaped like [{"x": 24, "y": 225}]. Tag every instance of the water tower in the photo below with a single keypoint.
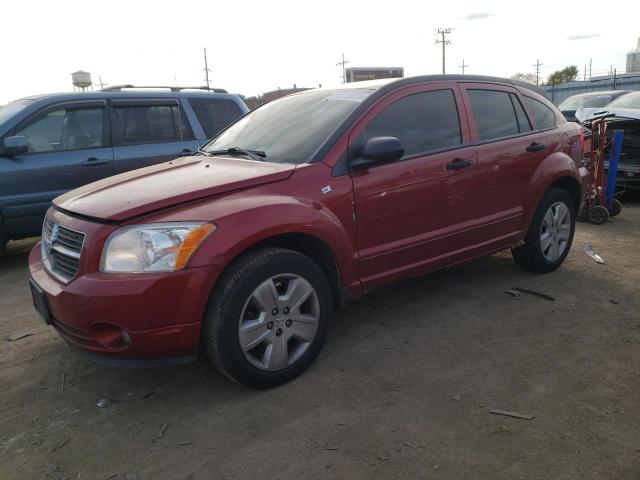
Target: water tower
[{"x": 81, "y": 80}]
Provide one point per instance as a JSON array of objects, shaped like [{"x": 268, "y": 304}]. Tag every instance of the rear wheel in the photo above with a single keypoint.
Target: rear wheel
[
  {"x": 616, "y": 207},
  {"x": 269, "y": 318},
  {"x": 598, "y": 215},
  {"x": 550, "y": 234}
]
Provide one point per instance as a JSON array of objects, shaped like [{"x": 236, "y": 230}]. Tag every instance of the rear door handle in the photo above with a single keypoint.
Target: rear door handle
[
  {"x": 459, "y": 163},
  {"x": 536, "y": 147},
  {"x": 94, "y": 162}
]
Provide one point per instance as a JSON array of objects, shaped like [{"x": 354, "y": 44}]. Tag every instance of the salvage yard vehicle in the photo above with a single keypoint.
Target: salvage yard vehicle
[
  {"x": 622, "y": 114},
  {"x": 50, "y": 144},
  {"x": 244, "y": 250},
  {"x": 595, "y": 100}
]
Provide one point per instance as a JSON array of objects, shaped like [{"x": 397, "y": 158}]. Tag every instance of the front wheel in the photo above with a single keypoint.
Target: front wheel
[
  {"x": 268, "y": 318},
  {"x": 550, "y": 234}
]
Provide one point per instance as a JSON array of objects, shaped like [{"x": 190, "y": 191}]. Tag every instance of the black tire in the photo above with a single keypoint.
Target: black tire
[
  {"x": 616, "y": 207},
  {"x": 221, "y": 321},
  {"x": 598, "y": 215},
  {"x": 530, "y": 256}
]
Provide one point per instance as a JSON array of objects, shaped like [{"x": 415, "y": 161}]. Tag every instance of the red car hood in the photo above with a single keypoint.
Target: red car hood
[{"x": 182, "y": 180}]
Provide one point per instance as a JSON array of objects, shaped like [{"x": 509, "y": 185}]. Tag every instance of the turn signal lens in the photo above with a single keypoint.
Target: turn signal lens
[{"x": 191, "y": 242}]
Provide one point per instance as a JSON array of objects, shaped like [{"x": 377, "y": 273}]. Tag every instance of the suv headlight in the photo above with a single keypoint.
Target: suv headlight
[{"x": 156, "y": 247}]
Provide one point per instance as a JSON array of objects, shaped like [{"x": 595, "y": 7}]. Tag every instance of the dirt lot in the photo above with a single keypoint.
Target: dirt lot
[{"x": 403, "y": 388}]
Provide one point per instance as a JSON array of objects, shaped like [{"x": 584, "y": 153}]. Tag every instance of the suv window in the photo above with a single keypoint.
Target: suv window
[
  {"x": 214, "y": 114},
  {"x": 135, "y": 124},
  {"x": 543, "y": 116},
  {"x": 494, "y": 113},
  {"x": 65, "y": 129},
  {"x": 423, "y": 122}
]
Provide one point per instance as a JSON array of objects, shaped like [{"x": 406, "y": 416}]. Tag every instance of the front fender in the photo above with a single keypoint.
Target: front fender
[{"x": 257, "y": 218}]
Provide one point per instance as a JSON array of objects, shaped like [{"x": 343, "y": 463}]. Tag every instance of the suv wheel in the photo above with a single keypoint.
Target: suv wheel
[
  {"x": 268, "y": 319},
  {"x": 550, "y": 234}
]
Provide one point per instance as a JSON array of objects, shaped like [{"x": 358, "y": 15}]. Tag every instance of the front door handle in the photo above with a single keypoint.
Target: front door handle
[
  {"x": 459, "y": 163},
  {"x": 536, "y": 147},
  {"x": 94, "y": 162}
]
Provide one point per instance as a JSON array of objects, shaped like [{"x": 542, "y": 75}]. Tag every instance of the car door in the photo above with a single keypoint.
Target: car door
[
  {"x": 509, "y": 152},
  {"x": 68, "y": 148},
  {"x": 149, "y": 131},
  {"x": 418, "y": 213}
]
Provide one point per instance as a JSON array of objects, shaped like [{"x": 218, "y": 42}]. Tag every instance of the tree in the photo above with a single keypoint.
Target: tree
[
  {"x": 524, "y": 77},
  {"x": 567, "y": 74}
]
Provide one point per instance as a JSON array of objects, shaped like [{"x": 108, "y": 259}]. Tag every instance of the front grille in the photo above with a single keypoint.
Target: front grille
[{"x": 61, "y": 248}]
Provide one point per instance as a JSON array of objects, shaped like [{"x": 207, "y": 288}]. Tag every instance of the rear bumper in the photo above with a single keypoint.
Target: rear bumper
[{"x": 160, "y": 314}]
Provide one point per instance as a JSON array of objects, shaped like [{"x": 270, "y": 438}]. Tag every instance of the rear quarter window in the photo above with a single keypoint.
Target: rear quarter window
[
  {"x": 215, "y": 114},
  {"x": 543, "y": 117}
]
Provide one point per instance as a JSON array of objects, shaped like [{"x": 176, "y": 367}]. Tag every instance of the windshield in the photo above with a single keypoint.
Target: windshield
[
  {"x": 291, "y": 129},
  {"x": 9, "y": 110},
  {"x": 630, "y": 100},
  {"x": 586, "y": 101}
]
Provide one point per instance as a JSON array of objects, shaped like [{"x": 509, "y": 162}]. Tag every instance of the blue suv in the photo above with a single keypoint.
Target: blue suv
[{"x": 50, "y": 144}]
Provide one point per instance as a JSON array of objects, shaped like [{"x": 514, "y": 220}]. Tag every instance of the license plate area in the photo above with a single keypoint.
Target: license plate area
[{"x": 40, "y": 302}]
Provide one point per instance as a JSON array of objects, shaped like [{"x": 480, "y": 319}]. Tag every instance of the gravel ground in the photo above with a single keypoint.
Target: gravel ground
[{"x": 403, "y": 388}]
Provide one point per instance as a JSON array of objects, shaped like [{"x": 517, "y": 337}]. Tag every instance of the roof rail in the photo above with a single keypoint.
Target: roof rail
[{"x": 118, "y": 88}]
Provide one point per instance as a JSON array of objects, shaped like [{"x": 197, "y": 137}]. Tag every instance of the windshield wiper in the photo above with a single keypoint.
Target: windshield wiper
[{"x": 257, "y": 155}]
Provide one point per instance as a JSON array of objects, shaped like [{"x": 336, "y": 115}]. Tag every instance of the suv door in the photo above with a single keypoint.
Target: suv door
[
  {"x": 418, "y": 213},
  {"x": 509, "y": 152},
  {"x": 149, "y": 131},
  {"x": 68, "y": 148}
]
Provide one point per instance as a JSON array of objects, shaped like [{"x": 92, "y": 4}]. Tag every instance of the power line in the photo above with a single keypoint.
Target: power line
[
  {"x": 444, "y": 32},
  {"x": 463, "y": 66},
  {"x": 538, "y": 65},
  {"x": 343, "y": 63}
]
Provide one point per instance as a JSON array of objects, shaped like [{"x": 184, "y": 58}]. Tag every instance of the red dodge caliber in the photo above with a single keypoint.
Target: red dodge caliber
[{"x": 245, "y": 249}]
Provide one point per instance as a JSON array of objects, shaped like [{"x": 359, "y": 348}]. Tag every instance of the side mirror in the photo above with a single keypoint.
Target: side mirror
[
  {"x": 378, "y": 150},
  {"x": 12, "y": 146}
]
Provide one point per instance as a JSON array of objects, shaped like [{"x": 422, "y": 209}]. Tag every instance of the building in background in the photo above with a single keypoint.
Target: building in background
[
  {"x": 359, "y": 74},
  {"x": 633, "y": 59}
]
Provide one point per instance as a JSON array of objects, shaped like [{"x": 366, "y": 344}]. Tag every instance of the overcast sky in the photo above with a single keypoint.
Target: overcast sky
[{"x": 255, "y": 46}]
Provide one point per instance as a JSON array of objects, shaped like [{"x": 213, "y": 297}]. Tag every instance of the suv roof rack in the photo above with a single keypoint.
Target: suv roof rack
[{"x": 118, "y": 88}]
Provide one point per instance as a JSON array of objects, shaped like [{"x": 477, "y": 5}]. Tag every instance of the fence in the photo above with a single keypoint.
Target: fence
[{"x": 561, "y": 91}]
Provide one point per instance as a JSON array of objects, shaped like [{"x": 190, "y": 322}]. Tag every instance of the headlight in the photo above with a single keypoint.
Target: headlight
[{"x": 156, "y": 247}]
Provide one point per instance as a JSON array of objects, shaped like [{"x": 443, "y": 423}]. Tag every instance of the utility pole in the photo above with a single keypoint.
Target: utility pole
[
  {"x": 584, "y": 79},
  {"x": 538, "y": 65},
  {"x": 206, "y": 68},
  {"x": 590, "y": 60},
  {"x": 463, "y": 66},
  {"x": 343, "y": 64},
  {"x": 444, "y": 32},
  {"x": 615, "y": 76}
]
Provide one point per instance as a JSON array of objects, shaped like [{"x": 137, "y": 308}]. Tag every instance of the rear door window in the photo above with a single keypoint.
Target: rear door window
[
  {"x": 423, "y": 122},
  {"x": 543, "y": 116},
  {"x": 214, "y": 114},
  {"x": 523, "y": 121},
  {"x": 138, "y": 124},
  {"x": 494, "y": 114},
  {"x": 65, "y": 129}
]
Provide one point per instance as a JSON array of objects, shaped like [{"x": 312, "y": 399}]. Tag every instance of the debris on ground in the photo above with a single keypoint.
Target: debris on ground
[
  {"x": 104, "y": 403},
  {"x": 17, "y": 336},
  {"x": 513, "y": 293},
  {"x": 409, "y": 444},
  {"x": 588, "y": 249},
  {"x": 534, "y": 293},
  {"x": 163, "y": 428},
  {"x": 457, "y": 398},
  {"x": 186, "y": 442},
  {"x": 151, "y": 392},
  {"x": 331, "y": 447},
  {"x": 507, "y": 413},
  {"x": 62, "y": 385},
  {"x": 60, "y": 445}
]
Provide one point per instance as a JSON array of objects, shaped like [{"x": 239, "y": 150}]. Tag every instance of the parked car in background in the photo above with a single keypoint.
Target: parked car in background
[
  {"x": 625, "y": 113},
  {"x": 588, "y": 100},
  {"x": 303, "y": 204},
  {"x": 50, "y": 144}
]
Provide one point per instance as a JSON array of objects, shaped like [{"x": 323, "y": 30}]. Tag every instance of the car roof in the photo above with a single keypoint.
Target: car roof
[
  {"x": 392, "y": 83},
  {"x": 601, "y": 92},
  {"x": 133, "y": 93}
]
